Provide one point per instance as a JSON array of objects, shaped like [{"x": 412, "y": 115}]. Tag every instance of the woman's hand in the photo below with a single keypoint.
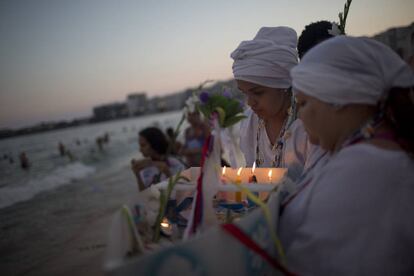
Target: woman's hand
[
  {"x": 138, "y": 165},
  {"x": 163, "y": 167}
]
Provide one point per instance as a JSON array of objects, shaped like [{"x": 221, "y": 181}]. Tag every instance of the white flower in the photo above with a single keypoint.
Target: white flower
[
  {"x": 191, "y": 103},
  {"x": 334, "y": 30}
]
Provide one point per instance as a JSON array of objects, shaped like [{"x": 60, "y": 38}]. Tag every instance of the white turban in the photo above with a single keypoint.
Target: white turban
[
  {"x": 267, "y": 59},
  {"x": 345, "y": 70}
]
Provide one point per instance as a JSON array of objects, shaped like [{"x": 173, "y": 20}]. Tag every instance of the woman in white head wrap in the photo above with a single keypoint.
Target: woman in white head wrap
[
  {"x": 354, "y": 215},
  {"x": 270, "y": 136}
]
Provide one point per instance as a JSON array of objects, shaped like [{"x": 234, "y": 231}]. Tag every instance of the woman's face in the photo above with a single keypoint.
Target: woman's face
[
  {"x": 266, "y": 102},
  {"x": 145, "y": 147},
  {"x": 319, "y": 120}
]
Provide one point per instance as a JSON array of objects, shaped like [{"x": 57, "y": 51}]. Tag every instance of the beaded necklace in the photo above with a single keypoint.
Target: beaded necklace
[{"x": 277, "y": 147}]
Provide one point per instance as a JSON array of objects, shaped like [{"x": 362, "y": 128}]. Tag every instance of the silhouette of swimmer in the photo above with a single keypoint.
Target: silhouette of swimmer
[
  {"x": 99, "y": 142},
  {"x": 62, "y": 149},
  {"x": 105, "y": 138},
  {"x": 24, "y": 161}
]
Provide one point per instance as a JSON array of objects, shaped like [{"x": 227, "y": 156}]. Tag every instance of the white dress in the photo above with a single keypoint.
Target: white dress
[
  {"x": 354, "y": 217},
  {"x": 298, "y": 153},
  {"x": 149, "y": 175}
]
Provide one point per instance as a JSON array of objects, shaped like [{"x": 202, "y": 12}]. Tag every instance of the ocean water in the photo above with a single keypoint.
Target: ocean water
[
  {"x": 42, "y": 207},
  {"x": 49, "y": 170}
]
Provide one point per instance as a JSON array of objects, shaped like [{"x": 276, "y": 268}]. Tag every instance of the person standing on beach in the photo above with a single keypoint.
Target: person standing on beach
[{"x": 271, "y": 136}]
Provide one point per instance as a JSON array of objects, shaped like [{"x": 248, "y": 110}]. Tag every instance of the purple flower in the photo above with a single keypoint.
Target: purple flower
[
  {"x": 227, "y": 94},
  {"x": 241, "y": 105},
  {"x": 204, "y": 97}
]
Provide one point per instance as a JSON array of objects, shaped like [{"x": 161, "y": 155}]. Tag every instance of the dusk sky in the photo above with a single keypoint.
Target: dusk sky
[{"x": 59, "y": 58}]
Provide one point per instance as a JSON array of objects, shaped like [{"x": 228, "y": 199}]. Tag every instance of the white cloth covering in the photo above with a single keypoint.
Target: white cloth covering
[
  {"x": 345, "y": 70},
  {"x": 268, "y": 58},
  {"x": 298, "y": 153},
  {"x": 355, "y": 217}
]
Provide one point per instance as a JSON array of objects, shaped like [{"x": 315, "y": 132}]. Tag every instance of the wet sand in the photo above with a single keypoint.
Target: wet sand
[
  {"x": 84, "y": 255},
  {"x": 64, "y": 232}
]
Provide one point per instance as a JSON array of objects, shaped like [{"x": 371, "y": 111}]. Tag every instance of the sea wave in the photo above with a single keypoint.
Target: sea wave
[{"x": 57, "y": 178}]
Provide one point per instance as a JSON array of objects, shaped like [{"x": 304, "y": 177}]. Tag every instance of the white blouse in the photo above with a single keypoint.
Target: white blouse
[
  {"x": 298, "y": 153},
  {"x": 354, "y": 217}
]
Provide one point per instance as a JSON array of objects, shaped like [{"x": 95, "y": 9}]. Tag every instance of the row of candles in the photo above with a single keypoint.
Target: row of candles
[
  {"x": 167, "y": 227},
  {"x": 251, "y": 179}
]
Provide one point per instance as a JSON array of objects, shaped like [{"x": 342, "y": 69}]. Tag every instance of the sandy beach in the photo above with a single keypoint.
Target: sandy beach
[
  {"x": 75, "y": 242},
  {"x": 83, "y": 255}
]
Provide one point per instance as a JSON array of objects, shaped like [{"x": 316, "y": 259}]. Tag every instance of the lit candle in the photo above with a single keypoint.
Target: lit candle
[
  {"x": 166, "y": 227},
  {"x": 223, "y": 175},
  {"x": 270, "y": 175},
  {"x": 238, "y": 181},
  {"x": 222, "y": 195},
  {"x": 253, "y": 178}
]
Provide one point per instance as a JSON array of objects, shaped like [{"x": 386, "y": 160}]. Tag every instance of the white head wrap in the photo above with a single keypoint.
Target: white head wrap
[
  {"x": 344, "y": 70},
  {"x": 267, "y": 59}
]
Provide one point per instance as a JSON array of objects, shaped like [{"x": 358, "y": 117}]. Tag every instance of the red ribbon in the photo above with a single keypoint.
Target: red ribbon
[
  {"x": 198, "y": 208},
  {"x": 236, "y": 232}
]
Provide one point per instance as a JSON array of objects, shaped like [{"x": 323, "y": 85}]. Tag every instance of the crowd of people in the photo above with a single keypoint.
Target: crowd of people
[{"x": 338, "y": 112}]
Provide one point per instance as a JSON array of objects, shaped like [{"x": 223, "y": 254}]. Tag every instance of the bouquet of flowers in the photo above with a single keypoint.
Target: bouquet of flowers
[{"x": 228, "y": 110}]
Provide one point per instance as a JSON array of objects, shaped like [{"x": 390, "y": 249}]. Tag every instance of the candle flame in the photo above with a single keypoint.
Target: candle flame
[
  {"x": 270, "y": 174},
  {"x": 223, "y": 172},
  {"x": 165, "y": 223},
  {"x": 239, "y": 171},
  {"x": 254, "y": 166}
]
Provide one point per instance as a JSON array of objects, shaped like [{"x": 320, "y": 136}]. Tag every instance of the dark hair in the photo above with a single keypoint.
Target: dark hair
[
  {"x": 312, "y": 35},
  {"x": 170, "y": 132},
  {"x": 400, "y": 114},
  {"x": 156, "y": 138}
]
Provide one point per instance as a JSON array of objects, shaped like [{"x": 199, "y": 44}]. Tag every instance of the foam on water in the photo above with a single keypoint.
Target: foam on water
[
  {"x": 49, "y": 170},
  {"x": 59, "y": 177}
]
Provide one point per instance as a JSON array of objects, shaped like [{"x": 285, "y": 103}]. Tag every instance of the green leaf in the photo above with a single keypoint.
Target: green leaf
[
  {"x": 233, "y": 120},
  {"x": 222, "y": 115}
]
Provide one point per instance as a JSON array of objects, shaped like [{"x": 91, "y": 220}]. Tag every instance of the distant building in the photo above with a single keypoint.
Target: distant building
[
  {"x": 172, "y": 102},
  {"x": 401, "y": 40},
  {"x": 137, "y": 104},
  {"x": 110, "y": 111}
]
